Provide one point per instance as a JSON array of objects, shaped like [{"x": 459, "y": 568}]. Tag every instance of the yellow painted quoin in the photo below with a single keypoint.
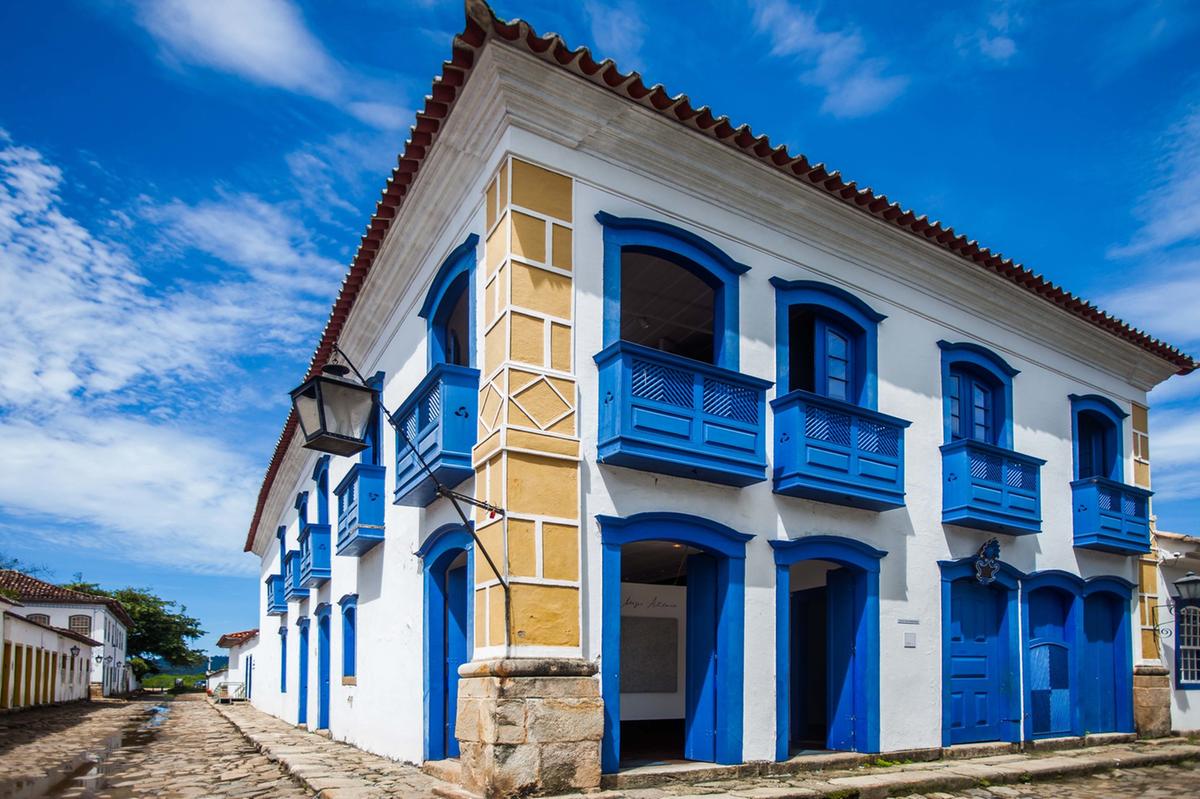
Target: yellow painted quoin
[
  {"x": 1148, "y": 563},
  {"x": 527, "y": 458}
]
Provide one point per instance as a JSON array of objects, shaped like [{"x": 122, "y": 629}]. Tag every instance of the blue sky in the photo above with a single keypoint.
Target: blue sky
[{"x": 182, "y": 184}]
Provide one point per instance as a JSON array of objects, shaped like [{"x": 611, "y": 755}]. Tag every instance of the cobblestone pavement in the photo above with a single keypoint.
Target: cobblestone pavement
[
  {"x": 337, "y": 770},
  {"x": 179, "y": 749},
  {"x": 1157, "y": 782}
]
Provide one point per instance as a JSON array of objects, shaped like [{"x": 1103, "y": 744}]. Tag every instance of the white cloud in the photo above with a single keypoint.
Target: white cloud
[
  {"x": 994, "y": 40},
  {"x": 854, "y": 83},
  {"x": 1170, "y": 210},
  {"x": 618, "y": 31},
  {"x": 105, "y": 369},
  {"x": 268, "y": 43}
]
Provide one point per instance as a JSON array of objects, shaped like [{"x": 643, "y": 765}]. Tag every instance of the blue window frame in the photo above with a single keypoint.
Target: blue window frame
[
  {"x": 301, "y": 506},
  {"x": 373, "y": 455},
  {"x": 827, "y": 342},
  {"x": 1096, "y": 427},
  {"x": 349, "y": 604},
  {"x": 977, "y": 394},
  {"x": 321, "y": 479},
  {"x": 707, "y": 293},
  {"x": 1187, "y": 644},
  {"x": 283, "y": 660},
  {"x": 449, "y": 308}
]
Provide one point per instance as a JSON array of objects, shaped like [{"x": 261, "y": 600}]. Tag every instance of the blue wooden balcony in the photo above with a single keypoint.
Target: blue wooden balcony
[
  {"x": 360, "y": 509},
  {"x": 292, "y": 587},
  {"x": 314, "y": 554},
  {"x": 991, "y": 488},
  {"x": 837, "y": 452},
  {"x": 672, "y": 415},
  {"x": 1111, "y": 516},
  {"x": 276, "y": 601},
  {"x": 439, "y": 418}
]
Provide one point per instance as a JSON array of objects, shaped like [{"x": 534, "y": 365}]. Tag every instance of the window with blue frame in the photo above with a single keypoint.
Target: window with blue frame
[
  {"x": 321, "y": 478},
  {"x": 973, "y": 405},
  {"x": 349, "y": 639},
  {"x": 667, "y": 303},
  {"x": 1187, "y": 644},
  {"x": 977, "y": 394},
  {"x": 448, "y": 308},
  {"x": 1096, "y": 424}
]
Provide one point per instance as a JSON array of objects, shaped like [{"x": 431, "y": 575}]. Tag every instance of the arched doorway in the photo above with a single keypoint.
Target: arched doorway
[
  {"x": 448, "y": 555},
  {"x": 1051, "y": 617},
  {"x": 981, "y": 676},
  {"x": 1107, "y": 689},
  {"x": 323, "y": 677},
  {"x": 711, "y": 557},
  {"x": 302, "y": 698},
  {"x": 826, "y": 645}
]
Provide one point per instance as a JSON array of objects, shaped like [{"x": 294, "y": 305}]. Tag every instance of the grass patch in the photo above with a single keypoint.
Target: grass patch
[{"x": 168, "y": 680}]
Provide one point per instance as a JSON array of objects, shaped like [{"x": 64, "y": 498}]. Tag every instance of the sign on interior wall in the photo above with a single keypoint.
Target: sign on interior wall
[{"x": 653, "y": 631}]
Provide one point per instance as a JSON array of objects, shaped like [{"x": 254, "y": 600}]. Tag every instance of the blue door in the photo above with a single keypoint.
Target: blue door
[
  {"x": 457, "y": 596},
  {"x": 844, "y": 698},
  {"x": 302, "y": 714},
  {"x": 975, "y": 663},
  {"x": 1049, "y": 664},
  {"x": 1101, "y": 625},
  {"x": 323, "y": 672},
  {"x": 249, "y": 676},
  {"x": 700, "y": 667}
]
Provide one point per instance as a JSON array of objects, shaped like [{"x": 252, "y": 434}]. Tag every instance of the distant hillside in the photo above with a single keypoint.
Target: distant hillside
[{"x": 217, "y": 662}]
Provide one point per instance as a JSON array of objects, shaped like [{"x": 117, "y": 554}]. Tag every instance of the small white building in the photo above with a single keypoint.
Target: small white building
[
  {"x": 238, "y": 674},
  {"x": 40, "y": 664},
  {"x": 101, "y": 619}
]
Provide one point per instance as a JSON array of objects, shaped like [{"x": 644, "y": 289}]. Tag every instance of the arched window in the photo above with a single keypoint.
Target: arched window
[
  {"x": 1096, "y": 425},
  {"x": 38, "y": 618},
  {"x": 80, "y": 624},
  {"x": 668, "y": 289},
  {"x": 321, "y": 479},
  {"x": 826, "y": 342},
  {"x": 977, "y": 394},
  {"x": 349, "y": 605},
  {"x": 449, "y": 308},
  {"x": 301, "y": 506},
  {"x": 1187, "y": 650}
]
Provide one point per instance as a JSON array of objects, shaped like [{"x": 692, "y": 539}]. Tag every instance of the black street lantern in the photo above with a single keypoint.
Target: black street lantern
[
  {"x": 334, "y": 411},
  {"x": 1188, "y": 586}
]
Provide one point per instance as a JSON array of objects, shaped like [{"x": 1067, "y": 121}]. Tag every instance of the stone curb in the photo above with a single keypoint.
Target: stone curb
[{"x": 261, "y": 746}]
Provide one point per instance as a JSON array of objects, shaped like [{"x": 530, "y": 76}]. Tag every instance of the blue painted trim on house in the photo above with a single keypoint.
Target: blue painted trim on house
[
  {"x": 1180, "y": 604},
  {"x": 1116, "y": 439},
  {"x": 458, "y": 266},
  {"x": 982, "y": 359},
  {"x": 1110, "y": 516},
  {"x": 301, "y": 506},
  {"x": 664, "y": 413},
  {"x": 373, "y": 454},
  {"x": 361, "y": 501},
  {"x": 697, "y": 255},
  {"x": 443, "y": 433},
  {"x": 1009, "y": 579},
  {"x": 1071, "y": 586},
  {"x": 283, "y": 659},
  {"x": 324, "y": 665},
  {"x": 441, "y": 548},
  {"x": 857, "y": 469},
  {"x": 717, "y": 539},
  {"x": 1123, "y": 590},
  {"x": 861, "y": 318},
  {"x": 302, "y": 688},
  {"x": 864, "y": 559},
  {"x": 996, "y": 498},
  {"x": 320, "y": 477},
  {"x": 281, "y": 538}
]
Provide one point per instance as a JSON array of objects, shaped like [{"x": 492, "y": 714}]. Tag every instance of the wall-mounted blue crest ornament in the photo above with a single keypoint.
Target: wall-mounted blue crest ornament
[{"x": 987, "y": 563}]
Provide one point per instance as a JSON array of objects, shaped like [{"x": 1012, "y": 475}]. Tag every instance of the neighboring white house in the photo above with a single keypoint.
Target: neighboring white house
[
  {"x": 765, "y": 462},
  {"x": 101, "y": 619},
  {"x": 238, "y": 674},
  {"x": 40, "y": 664}
]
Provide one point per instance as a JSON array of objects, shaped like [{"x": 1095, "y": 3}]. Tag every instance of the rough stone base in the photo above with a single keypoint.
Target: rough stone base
[
  {"x": 529, "y": 726},
  {"x": 1151, "y": 701}
]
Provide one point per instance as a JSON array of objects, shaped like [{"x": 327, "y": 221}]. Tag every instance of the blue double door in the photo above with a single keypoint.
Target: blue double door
[
  {"x": 454, "y": 652},
  {"x": 978, "y": 669}
]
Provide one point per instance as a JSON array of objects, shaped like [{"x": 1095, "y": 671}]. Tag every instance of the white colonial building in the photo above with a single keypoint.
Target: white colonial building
[
  {"x": 40, "y": 664},
  {"x": 98, "y": 618},
  {"x": 761, "y": 462},
  {"x": 238, "y": 675}
]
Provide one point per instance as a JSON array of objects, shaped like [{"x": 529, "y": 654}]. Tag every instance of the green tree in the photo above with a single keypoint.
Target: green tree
[
  {"x": 161, "y": 629},
  {"x": 9, "y": 563}
]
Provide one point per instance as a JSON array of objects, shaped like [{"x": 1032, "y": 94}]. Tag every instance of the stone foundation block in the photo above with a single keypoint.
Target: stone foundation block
[
  {"x": 1152, "y": 701},
  {"x": 529, "y": 726}
]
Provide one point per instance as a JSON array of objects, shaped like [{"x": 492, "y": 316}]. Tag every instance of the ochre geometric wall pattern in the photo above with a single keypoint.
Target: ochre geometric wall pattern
[
  {"x": 527, "y": 458},
  {"x": 1148, "y": 564}
]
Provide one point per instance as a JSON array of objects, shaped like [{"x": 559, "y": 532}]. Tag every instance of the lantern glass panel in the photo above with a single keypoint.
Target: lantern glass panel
[
  {"x": 347, "y": 408},
  {"x": 308, "y": 409}
]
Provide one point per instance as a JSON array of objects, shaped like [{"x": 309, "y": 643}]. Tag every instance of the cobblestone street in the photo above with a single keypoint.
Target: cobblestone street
[{"x": 185, "y": 748}]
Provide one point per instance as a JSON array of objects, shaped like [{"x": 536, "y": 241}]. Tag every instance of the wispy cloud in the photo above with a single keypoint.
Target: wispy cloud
[
  {"x": 1169, "y": 210},
  {"x": 268, "y": 43},
  {"x": 107, "y": 370},
  {"x": 994, "y": 40},
  {"x": 855, "y": 84},
  {"x": 618, "y": 31}
]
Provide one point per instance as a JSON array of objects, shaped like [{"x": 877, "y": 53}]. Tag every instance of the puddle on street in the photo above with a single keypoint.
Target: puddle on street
[{"x": 89, "y": 773}]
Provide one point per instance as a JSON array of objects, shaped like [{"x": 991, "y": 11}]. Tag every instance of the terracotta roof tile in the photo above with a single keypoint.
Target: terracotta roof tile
[
  {"x": 31, "y": 590},
  {"x": 229, "y": 640},
  {"x": 482, "y": 24}
]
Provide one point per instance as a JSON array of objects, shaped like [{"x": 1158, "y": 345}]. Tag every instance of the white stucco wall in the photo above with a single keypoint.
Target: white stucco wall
[
  {"x": 108, "y": 630},
  {"x": 383, "y": 712},
  {"x": 69, "y": 680}
]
